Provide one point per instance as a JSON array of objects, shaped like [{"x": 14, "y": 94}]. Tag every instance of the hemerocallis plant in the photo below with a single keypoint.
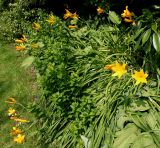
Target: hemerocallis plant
[
  {"x": 118, "y": 69},
  {"x": 140, "y": 77},
  {"x": 19, "y": 139},
  {"x": 100, "y": 11}
]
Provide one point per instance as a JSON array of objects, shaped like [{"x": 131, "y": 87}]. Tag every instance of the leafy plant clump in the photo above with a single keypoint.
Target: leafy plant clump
[{"x": 95, "y": 92}]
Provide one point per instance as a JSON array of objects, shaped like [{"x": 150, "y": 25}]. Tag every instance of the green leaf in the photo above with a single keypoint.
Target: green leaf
[
  {"x": 27, "y": 61},
  {"x": 86, "y": 141},
  {"x": 114, "y": 17},
  {"x": 40, "y": 44},
  {"x": 139, "y": 105},
  {"x": 144, "y": 140},
  {"x": 154, "y": 27},
  {"x": 126, "y": 136},
  {"x": 74, "y": 21},
  {"x": 146, "y": 36},
  {"x": 156, "y": 42}
]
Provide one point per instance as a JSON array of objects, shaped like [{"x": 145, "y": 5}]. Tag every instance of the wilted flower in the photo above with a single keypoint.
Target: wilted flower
[
  {"x": 51, "y": 19},
  {"x": 19, "y": 119},
  {"x": 72, "y": 26},
  {"x": 36, "y": 26},
  {"x": 34, "y": 45},
  {"x": 140, "y": 76},
  {"x": 16, "y": 131},
  {"x": 19, "y": 139},
  {"x": 11, "y": 101}
]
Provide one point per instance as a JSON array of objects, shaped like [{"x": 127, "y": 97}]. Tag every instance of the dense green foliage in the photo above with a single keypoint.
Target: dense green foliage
[{"x": 82, "y": 103}]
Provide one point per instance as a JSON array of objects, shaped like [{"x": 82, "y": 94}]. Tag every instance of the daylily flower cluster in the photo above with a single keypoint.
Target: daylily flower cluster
[
  {"x": 21, "y": 41},
  {"x": 127, "y": 15},
  {"x": 16, "y": 132},
  {"x": 119, "y": 70},
  {"x": 73, "y": 16}
]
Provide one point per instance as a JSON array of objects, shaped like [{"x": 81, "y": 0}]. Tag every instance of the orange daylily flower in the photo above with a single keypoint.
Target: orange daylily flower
[
  {"x": 21, "y": 47},
  {"x": 100, "y": 10},
  {"x": 127, "y": 15},
  {"x": 68, "y": 14}
]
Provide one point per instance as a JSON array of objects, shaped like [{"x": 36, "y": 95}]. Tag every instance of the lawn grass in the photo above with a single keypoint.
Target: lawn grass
[{"x": 19, "y": 83}]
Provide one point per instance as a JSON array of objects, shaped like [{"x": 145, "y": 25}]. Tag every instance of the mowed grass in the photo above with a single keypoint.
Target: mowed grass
[{"x": 19, "y": 83}]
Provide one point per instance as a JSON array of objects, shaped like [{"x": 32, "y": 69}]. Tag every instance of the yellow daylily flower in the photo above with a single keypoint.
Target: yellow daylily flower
[
  {"x": 19, "y": 119},
  {"x": 51, "y": 20},
  {"x": 117, "y": 68},
  {"x": 20, "y": 47},
  {"x": 11, "y": 101},
  {"x": 100, "y": 10},
  {"x": 16, "y": 131},
  {"x": 68, "y": 14},
  {"x": 36, "y": 26},
  {"x": 11, "y": 112},
  {"x": 19, "y": 139},
  {"x": 140, "y": 76}
]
